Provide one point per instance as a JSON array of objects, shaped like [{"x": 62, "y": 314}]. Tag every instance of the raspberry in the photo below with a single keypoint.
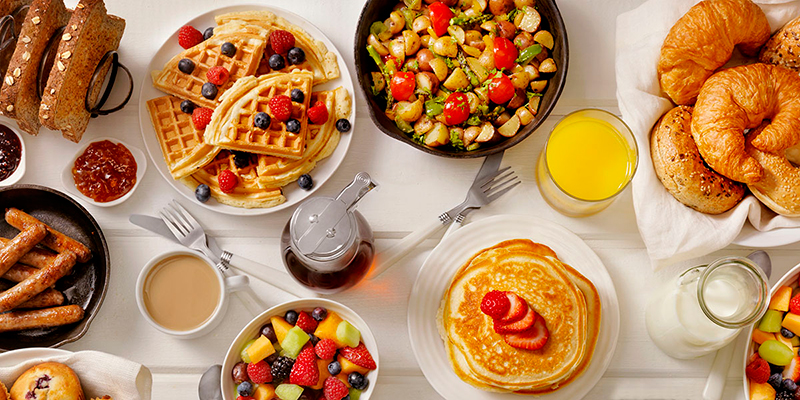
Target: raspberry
[
  {"x": 281, "y": 107},
  {"x": 325, "y": 349},
  {"x": 281, "y": 41},
  {"x": 758, "y": 371},
  {"x": 259, "y": 372},
  {"x": 201, "y": 117},
  {"x": 495, "y": 304},
  {"x": 305, "y": 371},
  {"x": 318, "y": 114},
  {"x": 217, "y": 75},
  {"x": 794, "y": 304},
  {"x": 306, "y": 323},
  {"x": 227, "y": 181},
  {"x": 334, "y": 389},
  {"x": 189, "y": 37}
]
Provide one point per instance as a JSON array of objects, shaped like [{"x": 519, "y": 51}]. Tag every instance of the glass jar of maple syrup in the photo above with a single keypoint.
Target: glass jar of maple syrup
[{"x": 327, "y": 245}]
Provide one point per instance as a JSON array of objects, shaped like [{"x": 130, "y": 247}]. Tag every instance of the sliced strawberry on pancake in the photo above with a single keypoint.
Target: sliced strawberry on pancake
[
  {"x": 532, "y": 339},
  {"x": 517, "y": 309},
  {"x": 525, "y": 323}
]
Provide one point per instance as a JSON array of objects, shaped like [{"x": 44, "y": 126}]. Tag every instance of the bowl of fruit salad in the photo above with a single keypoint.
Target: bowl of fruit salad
[
  {"x": 461, "y": 78},
  {"x": 305, "y": 349},
  {"x": 771, "y": 361}
]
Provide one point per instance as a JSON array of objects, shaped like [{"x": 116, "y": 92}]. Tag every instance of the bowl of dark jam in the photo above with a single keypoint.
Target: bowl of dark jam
[{"x": 12, "y": 156}]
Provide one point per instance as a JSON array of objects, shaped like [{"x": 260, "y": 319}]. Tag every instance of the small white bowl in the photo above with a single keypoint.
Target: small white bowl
[
  {"x": 20, "y": 171},
  {"x": 69, "y": 182},
  {"x": 254, "y": 326}
]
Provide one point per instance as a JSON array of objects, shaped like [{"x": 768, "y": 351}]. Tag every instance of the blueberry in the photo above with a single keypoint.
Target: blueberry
[
  {"x": 357, "y": 381},
  {"x": 296, "y": 55},
  {"x": 335, "y": 368},
  {"x": 228, "y": 49},
  {"x": 187, "y": 106},
  {"x": 276, "y": 61},
  {"x": 313, "y": 339},
  {"x": 262, "y": 120},
  {"x": 209, "y": 90},
  {"x": 208, "y": 33},
  {"x": 293, "y": 125},
  {"x": 241, "y": 159},
  {"x": 291, "y": 317},
  {"x": 343, "y": 125},
  {"x": 186, "y": 65},
  {"x": 775, "y": 380},
  {"x": 305, "y": 182},
  {"x": 245, "y": 389},
  {"x": 319, "y": 314},
  {"x": 298, "y": 96},
  {"x": 787, "y": 333},
  {"x": 789, "y": 385},
  {"x": 202, "y": 193}
]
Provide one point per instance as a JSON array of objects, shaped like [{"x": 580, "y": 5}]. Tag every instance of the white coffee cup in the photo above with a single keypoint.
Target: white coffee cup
[{"x": 227, "y": 285}]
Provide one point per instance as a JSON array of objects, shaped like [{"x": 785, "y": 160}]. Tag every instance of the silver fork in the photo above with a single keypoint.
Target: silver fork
[
  {"x": 190, "y": 233},
  {"x": 458, "y": 221},
  {"x": 481, "y": 193}
]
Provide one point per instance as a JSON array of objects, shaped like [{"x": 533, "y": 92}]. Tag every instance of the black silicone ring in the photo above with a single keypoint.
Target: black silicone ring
[
  {"x": 97, "y": 110},
  {"x": 49, "y": 56}
]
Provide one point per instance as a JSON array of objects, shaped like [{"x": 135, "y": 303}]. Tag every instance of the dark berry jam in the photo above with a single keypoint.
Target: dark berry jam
[{"x": 10, "y": 152}]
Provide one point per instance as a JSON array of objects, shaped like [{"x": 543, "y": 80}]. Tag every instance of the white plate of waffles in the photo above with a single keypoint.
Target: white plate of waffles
[
  {"x": 266, "y": 158},
  {"x": 448, "y": 292}
]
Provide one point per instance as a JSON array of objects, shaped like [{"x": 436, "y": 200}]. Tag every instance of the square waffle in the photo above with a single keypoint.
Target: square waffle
[
  {"x": 249, "y": 51},
  {"x": 232, "y": 127},
  {"x": 181, "y": 143}
]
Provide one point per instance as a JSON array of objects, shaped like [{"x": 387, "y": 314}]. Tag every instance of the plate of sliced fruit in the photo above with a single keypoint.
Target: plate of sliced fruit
[{"x": 771, "y": 361}]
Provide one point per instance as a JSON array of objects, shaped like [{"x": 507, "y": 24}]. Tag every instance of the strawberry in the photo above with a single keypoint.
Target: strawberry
[
  {"x": 325, "y": 349},
  {"x": 495, "y": 304},
  {"x": 245, "y": 398},
  {"x": 758, "y": 371},
  {"x": 318, "y": 114},
  {"x": 533, "y": 339},
  {"x": 259, "y": 372},
  {"x": 218, "y": 75},
  {"x": 306, "y": 323},
  {"x": 794, "y": 304},
  {"x": 359, "y": 356},
  {"x": 517, "y": 309},
  {"x": 791, "y": 371},
  {"x": 227, "y": 181},
  {"x": 305, "y": 371},
  {"x": 281, "y": 41},
  {"x": 280, "y": 107},
  {"x": 201, "y": 117},
  {"x": 188, "y": 36},
  {"x": 523, "y": 324},
  {"x": 334, "y": 389}
]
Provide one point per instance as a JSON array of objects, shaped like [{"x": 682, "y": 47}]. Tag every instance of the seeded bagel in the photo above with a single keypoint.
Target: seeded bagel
[{"x": 682, "y": 170}]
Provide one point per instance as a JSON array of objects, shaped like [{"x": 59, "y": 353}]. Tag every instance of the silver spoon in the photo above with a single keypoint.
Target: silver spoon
[{"x": 208, "y": 388}]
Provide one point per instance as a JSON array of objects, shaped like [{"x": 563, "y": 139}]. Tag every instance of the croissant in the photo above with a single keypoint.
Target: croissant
[
  {"x": 703, "y": 40},
  {"x": 740, "y": 98}
]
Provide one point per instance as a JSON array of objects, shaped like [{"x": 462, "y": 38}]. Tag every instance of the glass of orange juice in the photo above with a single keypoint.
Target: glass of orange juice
[{"x": 588, "y": 160}]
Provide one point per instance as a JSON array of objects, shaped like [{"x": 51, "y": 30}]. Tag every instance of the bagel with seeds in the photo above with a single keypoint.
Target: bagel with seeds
[{"x": 779, "y": 189}]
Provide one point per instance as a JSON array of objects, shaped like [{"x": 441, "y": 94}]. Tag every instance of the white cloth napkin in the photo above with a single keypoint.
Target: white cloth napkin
[
  {"x": 671, "y": 231},
  {"x": 100, "y": 374}
]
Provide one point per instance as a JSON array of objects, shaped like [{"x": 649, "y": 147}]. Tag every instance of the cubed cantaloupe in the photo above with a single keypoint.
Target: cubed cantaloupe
[
  {"x": 327, "y": 328},
  {"x": 761, "y": 391},
  {"x": 785, "y": 341},
  {"x": 281, "y": 327},
  {"x": 322, "y": 366},
  {"x": 260, "y": 349},
  {"x": 760, "y": 336},
  {"x": 348, "y": 367},
  {"x": 264, "y": 391},
  {"x": 791, "y": 322},
  {"x": 780, "y": 300}
]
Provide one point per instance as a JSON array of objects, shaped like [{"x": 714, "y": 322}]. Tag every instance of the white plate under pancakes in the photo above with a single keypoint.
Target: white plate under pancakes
[
  {"x": 320, "y": 174},
  {"x": 454, "y": 251}
]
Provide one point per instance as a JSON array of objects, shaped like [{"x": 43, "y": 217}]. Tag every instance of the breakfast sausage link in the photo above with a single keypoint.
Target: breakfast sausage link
[
  {"x": 48, "y": 317},
  {"x": 49, "y": 298},
  {"x": 37, "y": 257},
  {"x": 41, "y": 280},
  {"x": 19, "y": 273},
  {"x": 56, "y": 240},
  {"x": 21, "y": 244}
]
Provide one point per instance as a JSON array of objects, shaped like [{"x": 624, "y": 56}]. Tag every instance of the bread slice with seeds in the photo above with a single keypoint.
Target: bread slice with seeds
[
  {"x": 19, "y": 97},
  {"x": 89, "y": 35},
  {"x": 9, "y": 7}
]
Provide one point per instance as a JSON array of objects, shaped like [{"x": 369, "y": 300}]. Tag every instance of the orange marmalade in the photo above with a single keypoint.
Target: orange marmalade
[{"x": 105, "y": 171}]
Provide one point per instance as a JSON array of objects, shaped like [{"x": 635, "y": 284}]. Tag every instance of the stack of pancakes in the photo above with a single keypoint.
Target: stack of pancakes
[{"x": 567, "y": 300}]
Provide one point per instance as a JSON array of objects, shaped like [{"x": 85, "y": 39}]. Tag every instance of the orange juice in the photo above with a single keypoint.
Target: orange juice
[{"x": 588, "y": 158}]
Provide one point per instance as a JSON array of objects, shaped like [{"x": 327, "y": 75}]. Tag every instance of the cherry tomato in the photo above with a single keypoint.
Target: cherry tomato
[
  {"x": 456, "y": 108},
  {"x": 501, "y": 89},
  {"x": 403, "y": 84},
  {"x": 505, "y": 53},
  {"x": 440, "y": 17}
]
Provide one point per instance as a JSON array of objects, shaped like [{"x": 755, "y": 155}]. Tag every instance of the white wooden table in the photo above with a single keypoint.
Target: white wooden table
[{"x": 415, "y": 188}]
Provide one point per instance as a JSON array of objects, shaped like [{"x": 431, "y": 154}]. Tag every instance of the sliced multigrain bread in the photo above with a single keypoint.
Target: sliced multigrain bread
[
  {"x": 11, "y": 7},
  {"x": 89, "y": 35},
  {"x": 19, "y": 97}
]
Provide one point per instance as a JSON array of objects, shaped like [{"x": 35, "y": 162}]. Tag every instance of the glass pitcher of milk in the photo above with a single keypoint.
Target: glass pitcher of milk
[{"x": 705, "y": 307}]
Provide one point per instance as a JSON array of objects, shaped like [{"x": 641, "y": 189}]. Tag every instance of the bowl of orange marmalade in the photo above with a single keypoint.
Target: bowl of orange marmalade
[{"x": 104, "y": 172}]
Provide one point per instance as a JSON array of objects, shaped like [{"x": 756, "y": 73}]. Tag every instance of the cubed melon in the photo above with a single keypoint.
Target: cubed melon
[
  {"x": 355, "y": 394},
  {"x": 288, "y": 392},
  {"x": 260, "y": 349},
  {"x": 760, "y": 336},
  {"x": 761, "y": 391},
  {"x": 791, "y": 322},
  {"x": 785, "y": 341},
  {"x": 322, "y": 366},
  {"x": 264, "y": 391},
  {"x": 348, "y": 367},
  {"x": 294, "y": 341},
  {"x": 348, "y": 334},
  {"x": 281, "y": 327},
  {"x": 780, "y": 300},
  {"x": 343, "y": 377},
  {"x": 327, "y": 328}
]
